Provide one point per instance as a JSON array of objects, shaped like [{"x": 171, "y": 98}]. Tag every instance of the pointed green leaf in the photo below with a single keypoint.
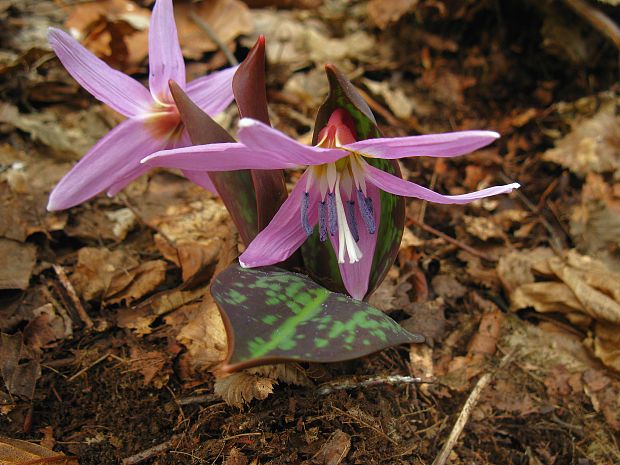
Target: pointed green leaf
[
  {"x": 319, "y": 258},
  {"x": 273, "y": 315},
  {"x": 250, "y": 94},
  {"x": 235, "y": 188}
]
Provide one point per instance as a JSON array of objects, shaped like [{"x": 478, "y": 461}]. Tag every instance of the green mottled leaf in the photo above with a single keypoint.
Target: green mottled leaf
[
  {"x": 274, "y": 315},
  {"x": 319, "y": 258}
]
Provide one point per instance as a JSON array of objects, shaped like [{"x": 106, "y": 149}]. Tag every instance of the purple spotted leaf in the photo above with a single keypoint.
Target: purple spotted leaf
[
  {"x": 272, "y": 315},
  {"x": 319, "y": 258}
]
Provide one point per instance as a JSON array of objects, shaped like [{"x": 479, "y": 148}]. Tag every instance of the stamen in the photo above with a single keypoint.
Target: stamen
[
  {"x": 304, "y": 214},
  {"x": 331, "y": 212},
  {"x": 367, "y": 211},
  {"x": 322, "y": 225},
  {"x": 352, "y": 221},
  {"x": 345, "y": 237}
]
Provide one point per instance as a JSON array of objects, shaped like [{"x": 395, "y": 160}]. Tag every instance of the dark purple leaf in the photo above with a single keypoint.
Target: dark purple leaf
[
  {"x": 235, "y": 188},
  {"x": 250, "y": 93}
]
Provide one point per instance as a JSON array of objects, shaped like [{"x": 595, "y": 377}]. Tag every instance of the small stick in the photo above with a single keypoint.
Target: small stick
[
  {"x": 597, "y": 19},
  {"x": 83, "y": 370},
  {"x": 461, "y": 421},
  {"x": 451, "y": 240},
  {"x": 64, "y": 280},
  {"x": 148, "y": 453},
  {"x": 376, "y": 106},
  {"x": 347, "y": 384},
  {"x": 214, "y": 37}
]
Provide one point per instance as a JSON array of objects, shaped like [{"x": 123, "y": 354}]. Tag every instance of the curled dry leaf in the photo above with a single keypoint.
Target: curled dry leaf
[
  {"x": 241, "y": 388},
  {"x": 581, "y": 288},
  {"x": 115, "y": 275},
  {"x": 194, "y": 235},
  {"x": 592, "y": 145},
  {"x": 204, "y": 337},
  {"x": 47, "y": 327}
]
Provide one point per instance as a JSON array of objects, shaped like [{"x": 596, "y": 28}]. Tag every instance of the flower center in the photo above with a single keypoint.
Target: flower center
[
  {"x": 164, "y": 121},
  {"x": 341, "y": 185}
]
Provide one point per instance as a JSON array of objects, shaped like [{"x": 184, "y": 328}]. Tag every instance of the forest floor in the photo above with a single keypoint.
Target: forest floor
[{"x": 108, "y": 351}]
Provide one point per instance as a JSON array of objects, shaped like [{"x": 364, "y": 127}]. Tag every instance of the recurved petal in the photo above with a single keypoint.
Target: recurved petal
[
  {"x": 202, "y": 179},
  {"x": 112, "y": 160},
  {"x": 165, "y": 56},
  {"x": 213, "y": 92},
  {"x": 227, "y": 156},
  {"x": 397, "y": 186},
  {"x": 355, "y": 276},
  {"x": 121, "y": 92},
  {"x": 285, "y": 233},
  {"x": 257, "y": 135},
  {"x": 449, "y": 144}
]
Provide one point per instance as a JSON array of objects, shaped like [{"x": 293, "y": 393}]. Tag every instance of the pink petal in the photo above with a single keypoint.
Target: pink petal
[
  {"x": 213, "y": 92},
  {"x": 397, "y": 186},
  {"x": 355, "y": 276},
  {"x": 115, "y": 158},
  {"x": 285, "y": 233},
  {"x": 449, "y": 144},
  {"x": 202, "y": 179},
  {"x": 141, "y": 169},
  {"x": 121, "y": 92},
  {"x": 227, "y": 156},
  {"x": 260, "y": 136},
  {"x": 165, "y": 56}
]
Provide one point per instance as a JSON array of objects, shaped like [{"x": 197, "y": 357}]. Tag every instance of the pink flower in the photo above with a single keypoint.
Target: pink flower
[
  {"x": 153, "y": 122},
  {"x": 339, "y": 191}
]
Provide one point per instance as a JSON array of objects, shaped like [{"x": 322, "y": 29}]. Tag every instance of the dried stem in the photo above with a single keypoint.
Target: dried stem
[
  {"x": 64, "y": 280},
  {"x": 214, "y": 37},
  {"x": 468, "y": 407}
]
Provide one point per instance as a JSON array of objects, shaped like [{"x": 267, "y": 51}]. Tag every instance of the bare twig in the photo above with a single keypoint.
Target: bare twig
[
  {"x": 451, "y": 240},
  {"x": 471, "y": 402},
  {"x": 347, "y": 384},
  {"x": 597, "y": 19},
  {"x": 64, "y": 280},
  {"x": 148, "y": 453},
  {"x": 213, "y": 36},
  {"x": 83, "y": 370}
]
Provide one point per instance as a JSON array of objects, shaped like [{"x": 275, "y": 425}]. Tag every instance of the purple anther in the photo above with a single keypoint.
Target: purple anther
[
  {"x": 331, "y": 212},
  {"x": 322, "y": 222},
  {"x": 304, "y": 214},
  {"x": 367, "y": 211},
  {"x": 352, "y": 221}
]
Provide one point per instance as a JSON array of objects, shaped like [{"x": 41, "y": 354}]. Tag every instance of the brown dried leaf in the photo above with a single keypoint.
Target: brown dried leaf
[
  {"x": 593, "y": 145},
  {"x": 152, "y": 364},
  {"x": 204, "y": 336},
  {"x": 482, "y": 227},
  {"x": 385, "y": 12},
  {"x": 334, "y": 450},
  {"x": 241, "y": 388},
  {"x": 227, "y": 18},
  {"x": 20, "y": 379},
  {"x": 194, "y": 235},
  {"x": 47, "y": 327},
  {"x": 16, "y": 452},
  {"x": 114, "y": 30},
  {"x": 18, "y": 261},
  {"x": 115, "y": 275}
]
